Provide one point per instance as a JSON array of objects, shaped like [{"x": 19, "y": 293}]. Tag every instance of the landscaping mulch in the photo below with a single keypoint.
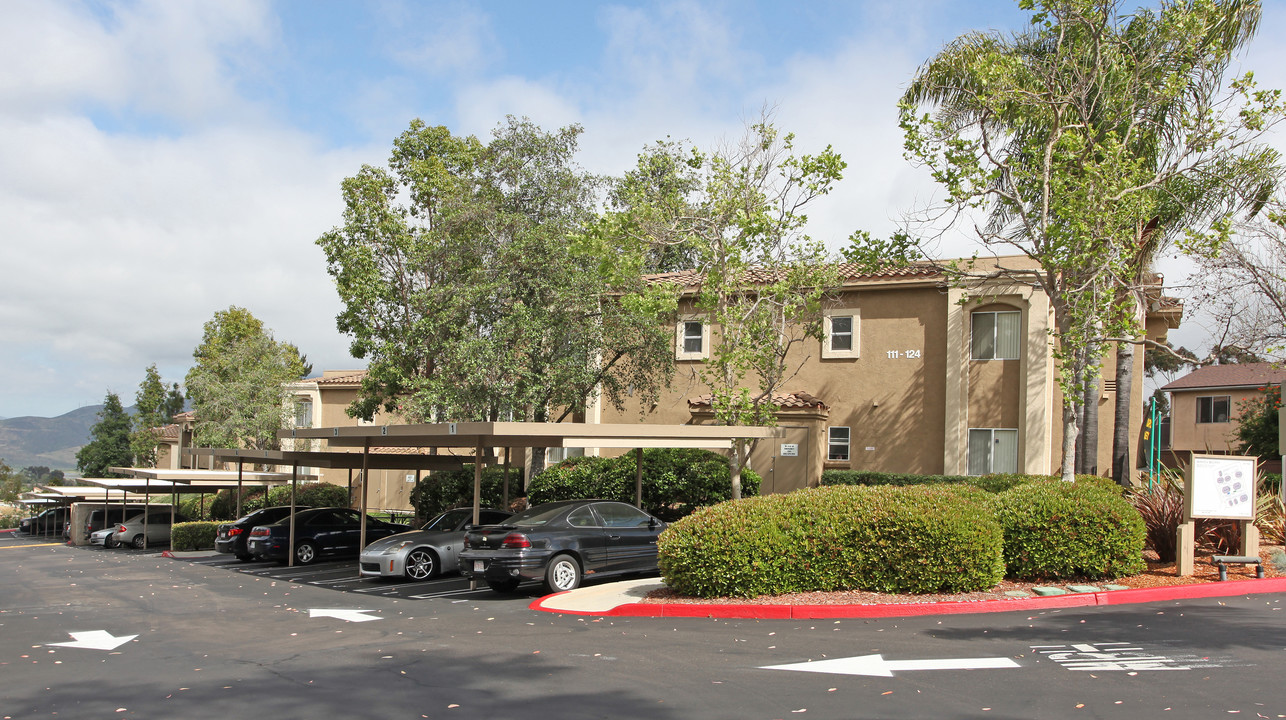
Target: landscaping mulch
[{"x": 1157, "y": 575}]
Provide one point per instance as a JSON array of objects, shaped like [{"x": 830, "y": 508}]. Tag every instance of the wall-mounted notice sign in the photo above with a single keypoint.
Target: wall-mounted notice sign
[
  {"x": 790, "y": 449},
  {"x": 1221, "y": 486}
]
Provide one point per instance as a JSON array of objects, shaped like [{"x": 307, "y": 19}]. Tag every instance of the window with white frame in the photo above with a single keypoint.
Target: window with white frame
[
  {"x": 692, "y": 340},
  {"x": 840, "y": 330},
  {"x": 1214, "y": 409},
  {"x": 838, "y": 444},
  {"x": 303, "y": 413},
  {"x": 993, "y": 450},
  {"x": 996, "y": 335}
]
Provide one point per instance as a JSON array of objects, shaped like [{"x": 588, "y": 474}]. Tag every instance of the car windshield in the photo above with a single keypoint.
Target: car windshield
[
  {"x": 448, "y": 520},
  {"x": 536, "y": 516}
]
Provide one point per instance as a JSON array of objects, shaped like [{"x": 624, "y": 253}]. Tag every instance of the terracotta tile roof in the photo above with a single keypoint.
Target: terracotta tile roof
[
  {"x": 848, "y": 272},
  {"x": 783, "y": 400},
  {"x": 188, "y": 416},
  {"x": 168, "y": 432},
  {"x": 352, "y": 378},
  {"x": 1229, "y": 376}
]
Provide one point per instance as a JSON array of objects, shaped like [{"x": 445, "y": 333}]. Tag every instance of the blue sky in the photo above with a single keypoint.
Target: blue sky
[{"x": 163, "y": 160}]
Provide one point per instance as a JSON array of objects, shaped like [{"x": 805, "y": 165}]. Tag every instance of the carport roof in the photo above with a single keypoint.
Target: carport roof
[
  {"x": 523, "y": 434},
  {"x": 79, "y": 492},
  {"x": 397, "y": 460},
  {"x": 207, "y": 478}
]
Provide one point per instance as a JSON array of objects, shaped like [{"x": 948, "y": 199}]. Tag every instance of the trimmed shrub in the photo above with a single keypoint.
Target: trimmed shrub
[
  {"x": 1059, "y": 530},
  {"x": 884, "y": 539},
  {"x": 193, "y": 535},
  {"x": 313, "y": 494},
  {"x": 443, "y": 490},
  {"x": 675, "y": 481},
  {"x": 991, "y": 483}
]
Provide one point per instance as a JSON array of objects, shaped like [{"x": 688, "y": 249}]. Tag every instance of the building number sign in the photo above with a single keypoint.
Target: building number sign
[{"x": 903, "y": 354}]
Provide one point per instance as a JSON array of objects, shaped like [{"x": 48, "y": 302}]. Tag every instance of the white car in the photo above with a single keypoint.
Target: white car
[
  {"x": 106, "y": 538},
  {"x": 130, "y": 532}
]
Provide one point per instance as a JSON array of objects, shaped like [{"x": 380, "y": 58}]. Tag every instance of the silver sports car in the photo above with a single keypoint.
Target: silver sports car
[{"x": 431, "y": 550}]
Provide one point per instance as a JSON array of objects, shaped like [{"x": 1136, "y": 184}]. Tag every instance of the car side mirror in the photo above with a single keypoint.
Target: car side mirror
[
  {"x": 652, "y": 523},
  {"x": 468, "y": 527}
]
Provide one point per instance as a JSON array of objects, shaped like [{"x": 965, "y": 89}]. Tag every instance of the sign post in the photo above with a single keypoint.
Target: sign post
[{"x": 1221, "y": 487}]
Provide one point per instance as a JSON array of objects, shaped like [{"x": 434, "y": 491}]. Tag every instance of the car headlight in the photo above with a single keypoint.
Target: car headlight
[{"x": 398, "y": 547}]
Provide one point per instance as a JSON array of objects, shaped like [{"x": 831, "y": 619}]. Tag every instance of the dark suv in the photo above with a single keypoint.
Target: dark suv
[{"x": 231, "y": 537}]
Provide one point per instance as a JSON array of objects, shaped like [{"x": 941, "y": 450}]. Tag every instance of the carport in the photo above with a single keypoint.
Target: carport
[
  {"x": 184, "y": 481},
  {"x": 36, "y": 501},
  {"x": 98, "y": 491},
  {"x": 364, "y": 461},
  {"x": 481, "y": 436}
]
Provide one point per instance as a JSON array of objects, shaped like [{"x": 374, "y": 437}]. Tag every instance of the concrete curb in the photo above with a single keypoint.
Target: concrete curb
[{"x": 815, "y": 612}]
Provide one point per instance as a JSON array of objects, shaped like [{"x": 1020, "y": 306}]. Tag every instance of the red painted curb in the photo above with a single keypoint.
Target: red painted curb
[{"x": 818, "y": 612}]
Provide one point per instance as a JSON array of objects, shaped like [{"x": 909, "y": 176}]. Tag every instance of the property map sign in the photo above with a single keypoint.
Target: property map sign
[{"x": 1222, "y": 486}]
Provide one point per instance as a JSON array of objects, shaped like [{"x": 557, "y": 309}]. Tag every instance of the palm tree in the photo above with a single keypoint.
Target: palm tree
[{"x": 1135, "y": 98}]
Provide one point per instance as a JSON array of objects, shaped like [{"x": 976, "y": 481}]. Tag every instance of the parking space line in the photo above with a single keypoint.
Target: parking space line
[
  {"x": 449, "y": 592},
  {"x": 14, "y": 547}
]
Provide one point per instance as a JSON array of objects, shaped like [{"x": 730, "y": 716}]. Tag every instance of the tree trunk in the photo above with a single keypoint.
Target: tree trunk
[
  {"x": 1079, "y": 463},
  {"x": 1089, "y": 432},
  {"x": 734, "y": 467},
  {"x": 1122, "y": 469},
  {"x": 1069, "y": 441}
]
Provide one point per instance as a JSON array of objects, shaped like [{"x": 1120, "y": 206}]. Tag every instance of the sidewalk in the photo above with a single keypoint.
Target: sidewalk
[{"x": 621, "y": 599}]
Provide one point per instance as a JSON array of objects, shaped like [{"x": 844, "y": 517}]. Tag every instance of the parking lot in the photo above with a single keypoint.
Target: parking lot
[{"x": 338, "y": 574}]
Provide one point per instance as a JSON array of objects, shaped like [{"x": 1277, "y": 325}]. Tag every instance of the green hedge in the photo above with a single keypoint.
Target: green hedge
[
  {"x": 193, "y": 535},
  {"x": 991, "y": 483},
  {"x": 1065, "y": 530},
  {"x": 675, "y": 481},
  {"x": 885, "y": 539},
  {"x": 224, "y": 506},
  {"x": 443, "y": 490}
]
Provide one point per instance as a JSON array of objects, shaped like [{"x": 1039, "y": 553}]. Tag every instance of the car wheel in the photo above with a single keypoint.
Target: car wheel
[
  {"x": 305, "y": 553},
  {"x": 504, "y": 586},
  {"x": 245, "y": 557},
  {"x": 109, "y": 541},
  {"x": 421, "y": 564},
  {"x": 138, "y": 541},
  {"x": 562, "y": 574}
]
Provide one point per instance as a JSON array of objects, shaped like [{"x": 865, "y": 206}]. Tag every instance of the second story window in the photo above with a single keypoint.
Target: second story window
[
  {"x": 839, "y": 333},
  {"x": 842, "y": 333},
  {"x": 692, "y": 340},
  {"x": 1214, "y": 408},
  {"x": 692, "y": 337},
  {"x": 303, "y": 413},
  {"x": 996, "y": 335}
]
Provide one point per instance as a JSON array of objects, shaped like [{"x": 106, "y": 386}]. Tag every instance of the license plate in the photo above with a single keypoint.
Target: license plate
[{"x": 479, "y": 565}]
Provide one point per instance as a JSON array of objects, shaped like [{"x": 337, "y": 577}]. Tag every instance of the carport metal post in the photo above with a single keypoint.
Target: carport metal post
[
  {"x": 265, "y": 497},
  {"x": 294, "y": 476},
  {"x": 477, "y": 495},
  {"x": 638, "y": 480},
  {"x": 366, "y": 456},
  {"x": 147, "y": 505},
  {"x": 506, "y": 505},
  {"x": 350, "y": 487}
]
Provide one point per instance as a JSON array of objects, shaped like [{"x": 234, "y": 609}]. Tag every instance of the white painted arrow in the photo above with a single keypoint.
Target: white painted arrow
[
  {"x": 876, "y": 665},
  {"x": 342, "y": 614},
  {"x": 95, "y": 640}
]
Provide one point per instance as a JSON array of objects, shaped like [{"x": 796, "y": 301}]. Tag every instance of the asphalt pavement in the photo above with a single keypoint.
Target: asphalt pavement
[{"x": 106, "y": 634}]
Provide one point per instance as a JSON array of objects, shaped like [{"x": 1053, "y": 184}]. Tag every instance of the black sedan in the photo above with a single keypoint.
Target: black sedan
[
  {"x": 329, "y": 531},
  {"x": 560, "y": 543},
  {"x": 231, "y": 537}
]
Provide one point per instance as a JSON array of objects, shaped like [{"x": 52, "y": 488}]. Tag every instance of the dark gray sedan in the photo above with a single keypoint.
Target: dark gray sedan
[
  {"x": 431, "y": 550},
  {"x": 561, "y": 543}
]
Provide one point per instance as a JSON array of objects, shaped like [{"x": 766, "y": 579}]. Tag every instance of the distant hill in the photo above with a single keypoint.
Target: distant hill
[{"x": 53, "y": 442}]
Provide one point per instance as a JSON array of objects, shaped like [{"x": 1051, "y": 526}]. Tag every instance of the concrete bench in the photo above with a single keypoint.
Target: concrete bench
[{"x": 1223, "y": 561}]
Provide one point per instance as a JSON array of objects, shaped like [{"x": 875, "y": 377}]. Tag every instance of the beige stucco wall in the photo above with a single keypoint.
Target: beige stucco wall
[{"x": 1187, "y": 435}]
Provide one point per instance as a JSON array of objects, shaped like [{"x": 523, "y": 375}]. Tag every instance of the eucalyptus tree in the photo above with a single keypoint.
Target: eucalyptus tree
[
  {"x": 474, "y": 288},
  {"x": 1087, "y": 140},
  {"x": 737, "y": 214},
  {"x": 237, "y": 385}
]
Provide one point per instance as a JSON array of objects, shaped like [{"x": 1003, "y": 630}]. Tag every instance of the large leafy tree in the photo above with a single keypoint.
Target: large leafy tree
[
  {"x": 237, "y": 386},
  {"x": 1258, "y": 423},
  {"x": 737, "y": 214},
  {"x": 471, "y": 285},
  {"x": 1087, "y": 141},
  {"x": 109, "y": 441},
  {"x": 1243, "y": 286},
  {"x": 11, "y": 484},
  {"x": 154, "y": 406}
]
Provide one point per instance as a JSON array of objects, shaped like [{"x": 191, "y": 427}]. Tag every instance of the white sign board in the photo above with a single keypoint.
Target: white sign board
[
  {"x": 1222, "y": 486},
  {"x": 790, "y": 449}
]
